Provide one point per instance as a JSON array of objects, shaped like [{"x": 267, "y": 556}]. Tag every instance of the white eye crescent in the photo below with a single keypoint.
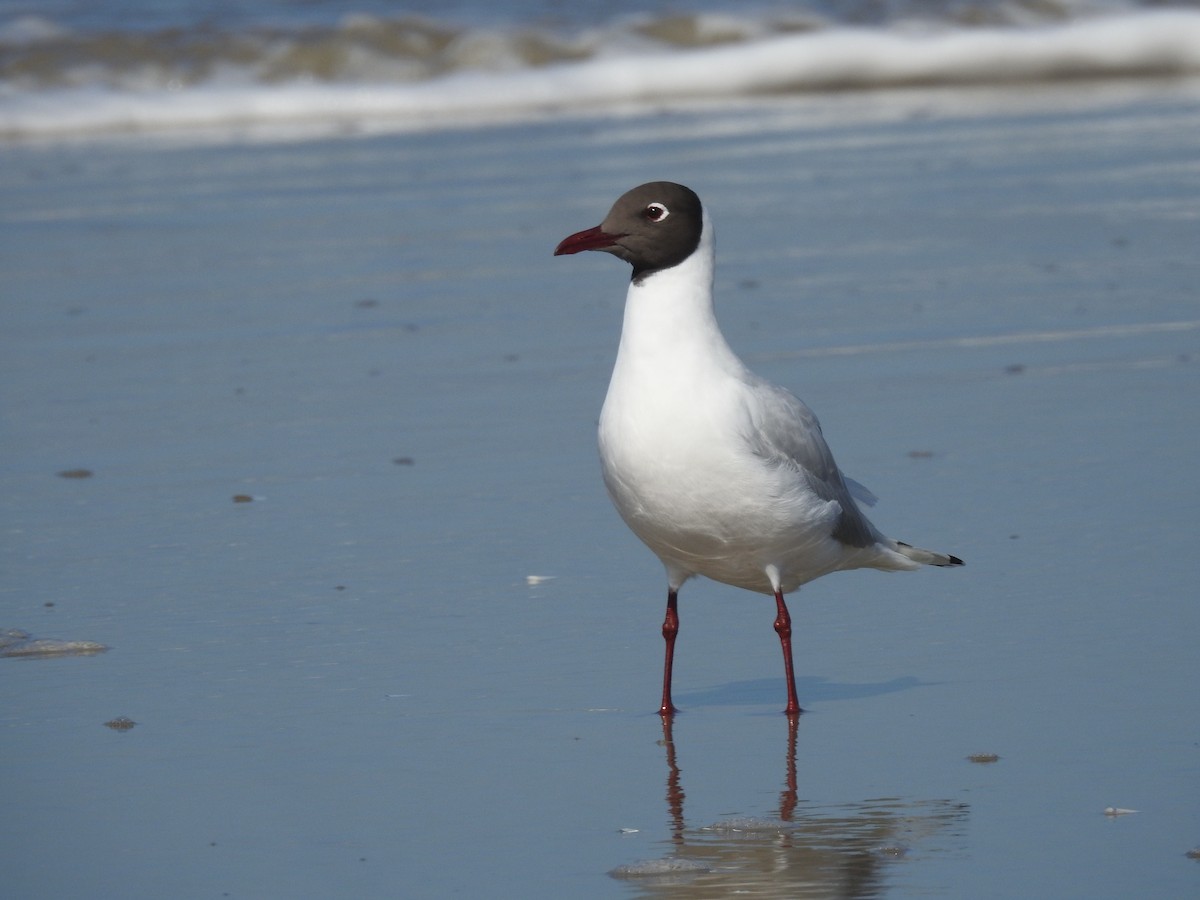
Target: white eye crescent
[{"x": 655, "y": 212}]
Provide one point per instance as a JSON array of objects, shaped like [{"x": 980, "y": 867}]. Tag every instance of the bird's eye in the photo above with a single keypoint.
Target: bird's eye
[{"x": 656, "y": 212}]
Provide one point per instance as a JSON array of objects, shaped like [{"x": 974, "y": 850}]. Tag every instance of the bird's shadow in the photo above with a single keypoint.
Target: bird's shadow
[{"x": 813, "y": 689}]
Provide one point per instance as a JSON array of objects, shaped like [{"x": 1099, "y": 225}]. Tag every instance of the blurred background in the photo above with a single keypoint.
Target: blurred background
[{"x": 84, "y": 68}]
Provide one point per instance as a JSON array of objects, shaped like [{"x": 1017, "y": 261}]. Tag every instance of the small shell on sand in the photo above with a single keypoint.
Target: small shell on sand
[
  {"x": 984, "y": 758},
  {"x": 17, "y": 643}
]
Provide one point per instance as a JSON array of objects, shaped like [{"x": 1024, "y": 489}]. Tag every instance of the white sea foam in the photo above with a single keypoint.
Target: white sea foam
[{"x": 1157, "y": 43}]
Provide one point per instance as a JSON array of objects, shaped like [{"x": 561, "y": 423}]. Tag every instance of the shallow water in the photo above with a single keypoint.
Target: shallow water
[{"x": 346, "y": 685}]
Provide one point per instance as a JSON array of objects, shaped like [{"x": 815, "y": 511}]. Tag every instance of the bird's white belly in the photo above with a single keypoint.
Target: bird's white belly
[{"x": 706, "y": 506}]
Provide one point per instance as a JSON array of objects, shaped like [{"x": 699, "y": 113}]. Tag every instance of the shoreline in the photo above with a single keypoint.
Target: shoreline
[{"x": 826, "y": 108}]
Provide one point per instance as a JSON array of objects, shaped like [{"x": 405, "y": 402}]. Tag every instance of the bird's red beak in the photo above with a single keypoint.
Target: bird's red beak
[{"x": 592, "y": 239}]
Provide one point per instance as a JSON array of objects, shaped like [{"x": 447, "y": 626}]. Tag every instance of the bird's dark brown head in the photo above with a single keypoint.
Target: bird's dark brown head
[{"x": 652, "y": 227}]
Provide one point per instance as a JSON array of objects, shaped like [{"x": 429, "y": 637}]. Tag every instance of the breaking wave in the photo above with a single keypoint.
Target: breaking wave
[{"x": 422, "y": 72}]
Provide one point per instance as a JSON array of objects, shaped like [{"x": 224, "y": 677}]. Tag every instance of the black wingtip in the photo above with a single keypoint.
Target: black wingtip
[{"x": 955, "y": 561}]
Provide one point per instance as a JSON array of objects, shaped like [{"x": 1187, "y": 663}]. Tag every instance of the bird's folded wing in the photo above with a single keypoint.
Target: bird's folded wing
[{"x": 786, "y": 432}]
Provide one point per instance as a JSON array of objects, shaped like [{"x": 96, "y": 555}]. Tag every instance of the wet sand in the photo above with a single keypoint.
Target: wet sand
[{"x": 338, "y": 404}]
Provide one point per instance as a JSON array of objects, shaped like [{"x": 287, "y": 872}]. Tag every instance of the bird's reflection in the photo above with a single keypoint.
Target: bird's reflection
[{"x": 808, "y": 850}]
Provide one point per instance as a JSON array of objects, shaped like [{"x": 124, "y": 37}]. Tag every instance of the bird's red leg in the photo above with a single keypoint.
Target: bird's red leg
[
  {"x": 783, "y": 628},
  {"x": 670, "y": 628}
]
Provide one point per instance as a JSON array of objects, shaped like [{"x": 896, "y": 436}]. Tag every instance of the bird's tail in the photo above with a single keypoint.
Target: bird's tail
[{"x": 926, "y": 557}]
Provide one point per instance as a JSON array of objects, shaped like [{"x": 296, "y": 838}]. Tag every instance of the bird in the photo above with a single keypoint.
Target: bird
[{"x": 720, "y": 472}]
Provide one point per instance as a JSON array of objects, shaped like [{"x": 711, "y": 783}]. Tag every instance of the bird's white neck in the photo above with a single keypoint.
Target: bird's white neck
[{"x": 669, "y": 321}]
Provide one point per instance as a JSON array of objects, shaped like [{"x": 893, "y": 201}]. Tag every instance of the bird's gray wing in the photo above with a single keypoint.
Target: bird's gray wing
[{"x": 786, "y": 432}]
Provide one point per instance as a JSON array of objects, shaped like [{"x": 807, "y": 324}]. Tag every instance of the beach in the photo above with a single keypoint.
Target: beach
[{"x": 327, "y": 409}]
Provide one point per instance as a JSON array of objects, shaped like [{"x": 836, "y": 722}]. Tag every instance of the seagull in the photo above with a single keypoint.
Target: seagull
[{"x": 718, "y": 471}]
